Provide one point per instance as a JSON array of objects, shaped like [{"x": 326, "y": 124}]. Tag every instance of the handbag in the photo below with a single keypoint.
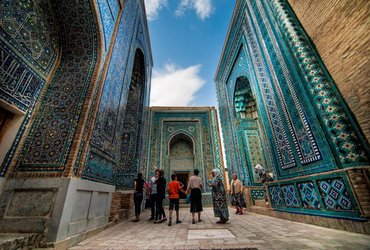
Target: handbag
[{"x": 188, "y": 199}]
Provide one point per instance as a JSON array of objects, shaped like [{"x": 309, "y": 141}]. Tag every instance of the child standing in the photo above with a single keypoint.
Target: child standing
[{"x": 173, "y": 192}]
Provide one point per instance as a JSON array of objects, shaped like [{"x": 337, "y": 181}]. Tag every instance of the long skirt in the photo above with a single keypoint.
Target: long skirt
[
  {"x": 220, "y": 205},
  {"x": 238, "y": 200},
  {"x": 196, "y": 200}
]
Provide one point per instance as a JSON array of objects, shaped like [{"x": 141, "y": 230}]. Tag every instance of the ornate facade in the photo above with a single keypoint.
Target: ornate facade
[
  {"x": 280, "y": 108},
  {"x": 181, "y": 139},
  {"x": 74, "y": 92}
]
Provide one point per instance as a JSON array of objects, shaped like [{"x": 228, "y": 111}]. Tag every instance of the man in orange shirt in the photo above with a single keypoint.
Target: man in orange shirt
[{"x": 173, "y": 192}]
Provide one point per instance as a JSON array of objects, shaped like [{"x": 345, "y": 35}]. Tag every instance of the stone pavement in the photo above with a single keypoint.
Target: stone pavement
[{"x": 248, "y": 231}]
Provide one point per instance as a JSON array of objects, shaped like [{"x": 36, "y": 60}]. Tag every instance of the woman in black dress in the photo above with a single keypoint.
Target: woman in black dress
[{"x": 194, "y": 188}]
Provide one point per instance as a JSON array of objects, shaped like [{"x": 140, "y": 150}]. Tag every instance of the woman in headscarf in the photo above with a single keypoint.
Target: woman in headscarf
[
  {"x": 219, "y": 197},
  {"x": 237, "y": 194}
]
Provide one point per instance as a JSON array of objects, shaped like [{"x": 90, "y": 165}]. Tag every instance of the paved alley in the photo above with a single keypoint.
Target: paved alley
[{"x": 248, "y": 231}]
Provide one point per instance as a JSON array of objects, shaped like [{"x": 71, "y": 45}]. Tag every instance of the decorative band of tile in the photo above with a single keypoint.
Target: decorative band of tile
[{"x": 331, "y": 107}]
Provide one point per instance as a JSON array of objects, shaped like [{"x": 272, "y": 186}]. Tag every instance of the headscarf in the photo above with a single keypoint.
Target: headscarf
[
  {"x": 258, "y": 167},
  {"x": 236, "y": 185},
  {"x": 217, "y": 172}
]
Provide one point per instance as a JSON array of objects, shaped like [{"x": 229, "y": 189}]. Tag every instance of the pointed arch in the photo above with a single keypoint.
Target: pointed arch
[
  {"x": 244, "y": 101},
  {"x": 181, "y": 135},
  {"x": 132, "y": 124},
  {"x": 181, "y": 152}
]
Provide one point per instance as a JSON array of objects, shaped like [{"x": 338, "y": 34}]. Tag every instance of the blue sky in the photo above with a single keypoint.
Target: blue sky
[{"x": 187, "y": 37}]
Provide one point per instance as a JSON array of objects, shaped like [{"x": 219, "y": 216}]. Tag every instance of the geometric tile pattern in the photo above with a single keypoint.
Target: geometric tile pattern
[
  {"x": 338, "y": 124},
  {"x": 116, "y": 85},
  {"x": 38, "y": 30},
  {"x": 48, "y": 145},
  {"x": 270, "y": 103},
  {"x": 198, "y": 128},
  {"x": 19, "y": 85},
  {"x": 234, "y": 64},
  {"x": 248, "y": 127},
  {"x": 114, "y": 148},
  {"x": 300, "y": 130},
  {"x": 131, "y": 146},
  {"x": 334, "y": 194},
  {"x": 215, "y": 136},
  {"x": 31, "y": 27},
  {"x": 244, "y": 102},
  {"x": 228, "y": 103},
  {"x": 276, "y": 199},
  {"x": 290, "y": 196},
  {"x": 29, "y": 45},
  {"x": 254, "y": 150},
  {"x": 257, "y": 195},
  {"x": 108, "y": 13},
  {"x": 300, "y": 112},
  {"x": 108, "y": 10},
  {"x": 171, "y": 131},
  {"x": 325, "y": 194},
  {"x": 309, "y": 196},
  {"x": 182, "y": 149}
]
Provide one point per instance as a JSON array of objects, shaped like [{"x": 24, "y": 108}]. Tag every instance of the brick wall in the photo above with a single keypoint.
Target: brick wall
[
  {"x": 122, "y": 206},
  {"x": 361, "y": 187},
  {"x": 339, "y": 30}
]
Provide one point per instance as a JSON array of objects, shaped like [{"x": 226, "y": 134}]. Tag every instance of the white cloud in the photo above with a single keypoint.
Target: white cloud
[
  {"x": 152, "y": 8},
  {"x": 203, "y": 8},
  {"x": 174, "y": 86}
]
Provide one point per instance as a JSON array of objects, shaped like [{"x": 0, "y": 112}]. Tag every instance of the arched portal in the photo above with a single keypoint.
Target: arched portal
[
  {"x": 244, "y": 102},
  {"x": 181, "y": 157},
  {"x": 250, "y": 133},
  {"x": 132, "y": 127}
]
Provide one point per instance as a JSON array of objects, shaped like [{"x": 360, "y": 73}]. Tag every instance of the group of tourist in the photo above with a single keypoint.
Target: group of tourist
[{"x": 156, "y": 192}]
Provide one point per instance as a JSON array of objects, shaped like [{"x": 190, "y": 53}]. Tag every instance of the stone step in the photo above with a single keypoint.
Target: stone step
[
  {"x": 10, "y": 241},
  {"x": 124, "y": 213},
  {"x": 260, "y": 203}
]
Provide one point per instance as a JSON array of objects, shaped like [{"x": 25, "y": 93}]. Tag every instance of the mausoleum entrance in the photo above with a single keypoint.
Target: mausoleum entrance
[
  {"x": 183, "y": 178},
  {"x": 181, "y": 160}
]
